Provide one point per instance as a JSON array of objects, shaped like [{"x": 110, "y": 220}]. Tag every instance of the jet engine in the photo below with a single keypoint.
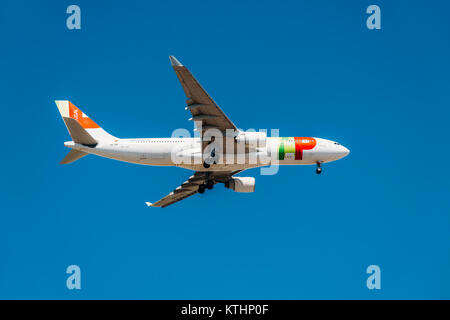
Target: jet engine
[
  {"x": 253, "y": 139},
  {"x": 241, "y": 184}
]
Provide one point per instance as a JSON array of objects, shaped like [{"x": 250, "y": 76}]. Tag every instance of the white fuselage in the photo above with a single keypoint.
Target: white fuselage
[{"x": 186, "y": 153}]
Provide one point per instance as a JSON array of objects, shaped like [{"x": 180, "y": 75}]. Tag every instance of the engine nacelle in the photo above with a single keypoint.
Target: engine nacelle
[
  {"x": 241, "y": 184},
  {"x": 254, "y": 139}
]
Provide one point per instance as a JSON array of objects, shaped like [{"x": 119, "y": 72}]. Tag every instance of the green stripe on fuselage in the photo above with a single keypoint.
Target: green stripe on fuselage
[
  {"x": 289, "y": 146},
  {"x": 281, "y": 151},
  {"x": 284, "y": 146}
]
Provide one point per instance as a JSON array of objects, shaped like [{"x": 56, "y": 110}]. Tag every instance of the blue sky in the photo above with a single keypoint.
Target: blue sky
[{"x": 307, "y": 68}]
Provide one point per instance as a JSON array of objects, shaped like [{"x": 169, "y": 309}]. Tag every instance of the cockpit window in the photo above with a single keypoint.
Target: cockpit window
[{"x": 337, "y": 143}]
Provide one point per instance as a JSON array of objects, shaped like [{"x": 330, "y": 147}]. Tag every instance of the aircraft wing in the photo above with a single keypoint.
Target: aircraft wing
[
  {"x": 199, "y": 103},
  {"x": 190, "y": 187}
]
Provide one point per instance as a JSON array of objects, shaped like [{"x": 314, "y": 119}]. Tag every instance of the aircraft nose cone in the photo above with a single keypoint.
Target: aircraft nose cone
[{"x": 345, "y": 151}]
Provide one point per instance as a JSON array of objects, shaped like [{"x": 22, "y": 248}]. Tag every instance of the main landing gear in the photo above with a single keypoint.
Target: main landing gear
[
  {"x": 211, "y": 160},
  {"x": 208, "y": 185},
  {"x": 318, "y": 169}
]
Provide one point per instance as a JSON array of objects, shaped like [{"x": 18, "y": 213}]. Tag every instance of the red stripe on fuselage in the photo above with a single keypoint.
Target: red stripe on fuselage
[
  {"x": 303, "y": 143},
  {"x": 298, "y": 148}
]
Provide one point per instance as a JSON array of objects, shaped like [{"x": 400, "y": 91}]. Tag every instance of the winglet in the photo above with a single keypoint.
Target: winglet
[
  {"x": 175, "y": 62},
  {"x": 149, "y": 204}
]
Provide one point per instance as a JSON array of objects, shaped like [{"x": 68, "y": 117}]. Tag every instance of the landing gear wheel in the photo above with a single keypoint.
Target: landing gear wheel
[
  {"x": 319, "y": 169},
  {"x": 201, "y": 188},
  {"x": 206, "y": 165},
  {"x": 210, "y": 184}
]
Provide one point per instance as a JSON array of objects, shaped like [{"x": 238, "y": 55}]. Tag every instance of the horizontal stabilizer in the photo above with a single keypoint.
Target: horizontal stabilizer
[{"x": 72, "y": 156}]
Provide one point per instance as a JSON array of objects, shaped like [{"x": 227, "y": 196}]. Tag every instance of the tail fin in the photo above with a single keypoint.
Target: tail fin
[
  {"x": 73, "y": 156},
  {"x": 81, "y": 128}
]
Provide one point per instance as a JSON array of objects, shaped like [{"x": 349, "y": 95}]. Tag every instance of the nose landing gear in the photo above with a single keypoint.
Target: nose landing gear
[{"x": 318, "y": 169}]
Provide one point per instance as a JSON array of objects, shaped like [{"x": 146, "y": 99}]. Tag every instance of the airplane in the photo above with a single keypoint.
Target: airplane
[{"x": 214, "y": 157}]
